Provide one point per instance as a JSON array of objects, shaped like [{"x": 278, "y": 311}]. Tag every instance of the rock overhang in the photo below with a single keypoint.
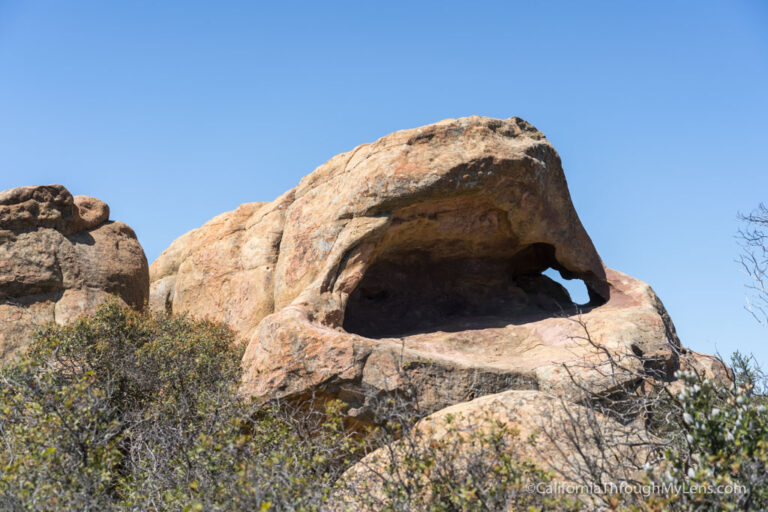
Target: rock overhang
[
  {"x": 427, "y": 245},
  {"x": 468, "y": 190}
]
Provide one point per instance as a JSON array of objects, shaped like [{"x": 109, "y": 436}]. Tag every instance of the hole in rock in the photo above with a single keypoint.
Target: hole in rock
[
  {"x": 576, "y": 288},
  {"x": 445, "y": 286}
]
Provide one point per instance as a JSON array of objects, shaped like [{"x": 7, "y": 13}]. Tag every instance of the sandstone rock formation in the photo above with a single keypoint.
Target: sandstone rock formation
[
  {"x": 417, "y": 259},
  {"x": 538, "y": 427},
  {"x": 59, "y": 257}
]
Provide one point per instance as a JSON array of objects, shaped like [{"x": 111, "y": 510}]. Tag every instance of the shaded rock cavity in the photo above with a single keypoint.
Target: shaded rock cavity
[{"x": 455, "y": 267}]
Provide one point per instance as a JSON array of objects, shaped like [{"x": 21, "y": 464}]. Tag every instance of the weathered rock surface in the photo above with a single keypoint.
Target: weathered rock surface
[
  {"x": 59, "y": 257},
  {"x": 223, "y": 270},
  {"x": 295, "y": 355},
  {"x": 556, "y": 436},
  {"x": 416, "y": 259},
  {"x": 705, "y": 365}
]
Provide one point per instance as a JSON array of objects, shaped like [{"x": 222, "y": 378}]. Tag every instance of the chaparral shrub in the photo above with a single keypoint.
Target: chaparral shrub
[
  {"x": 124, "y": 410},
  {"x": 133, "y": 411},
  {"x": 720, "y": 461}
]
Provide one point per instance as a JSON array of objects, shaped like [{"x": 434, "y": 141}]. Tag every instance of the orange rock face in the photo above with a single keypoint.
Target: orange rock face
[
  {"x": 60, "y": 257},
  {"x": 416, "y": 258}
]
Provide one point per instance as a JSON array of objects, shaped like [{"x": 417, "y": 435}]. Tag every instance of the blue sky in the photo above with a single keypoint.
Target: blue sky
[{"x": 173, "y": 112}]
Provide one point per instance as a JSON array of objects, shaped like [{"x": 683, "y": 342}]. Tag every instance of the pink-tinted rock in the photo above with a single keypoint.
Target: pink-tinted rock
[{"x": 418, "y": 257}]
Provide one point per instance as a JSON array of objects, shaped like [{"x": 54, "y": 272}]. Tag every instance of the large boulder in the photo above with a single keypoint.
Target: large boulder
[
  {"x": 576, "y": 444},
  {"x": 223, "y": 270},
  {"x": 59, "y": 257},
  {"x": 416, "y": 259}
]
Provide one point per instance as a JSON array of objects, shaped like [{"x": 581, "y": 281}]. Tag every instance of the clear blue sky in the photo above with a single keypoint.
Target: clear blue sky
[{"x": 173, "y": 112}]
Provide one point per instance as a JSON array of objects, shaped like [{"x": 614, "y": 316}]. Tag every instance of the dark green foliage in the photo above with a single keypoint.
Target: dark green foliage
[{"x": 133, "y": 411}]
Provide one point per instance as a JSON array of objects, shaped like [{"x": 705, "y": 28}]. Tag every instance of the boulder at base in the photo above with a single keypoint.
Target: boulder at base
[{"x": 565, "y": 439}]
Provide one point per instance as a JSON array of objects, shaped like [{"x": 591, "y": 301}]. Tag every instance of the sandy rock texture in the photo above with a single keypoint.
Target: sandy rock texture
[
  {"x": 538, "y": 427},
  {"x": 59, "y": 257},
  {"x": 417, "y": 259}
]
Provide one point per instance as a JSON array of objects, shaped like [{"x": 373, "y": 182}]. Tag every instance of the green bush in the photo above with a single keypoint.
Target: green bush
[
  {"x": 137, "y": 411},
  {"x": 132, "y": 411},
  {"x": 721, "y": 461}
]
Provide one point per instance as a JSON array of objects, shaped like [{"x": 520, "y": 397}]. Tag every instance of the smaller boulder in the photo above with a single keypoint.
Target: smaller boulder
[
  {"x": 60, "y": 257},
  {"x": 538, "y": 428}
]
